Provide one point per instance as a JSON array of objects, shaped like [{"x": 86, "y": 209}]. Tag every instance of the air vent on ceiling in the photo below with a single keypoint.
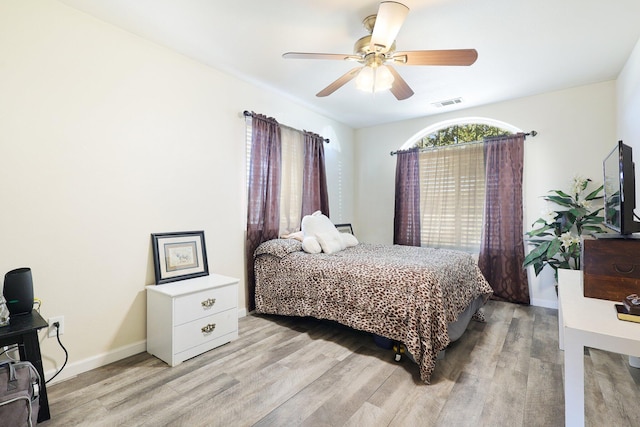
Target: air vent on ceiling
[{"x": 448, "y": 102}]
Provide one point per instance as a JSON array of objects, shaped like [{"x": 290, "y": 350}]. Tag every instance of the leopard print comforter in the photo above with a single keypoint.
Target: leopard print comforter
[{"x": 404, "y": 293}]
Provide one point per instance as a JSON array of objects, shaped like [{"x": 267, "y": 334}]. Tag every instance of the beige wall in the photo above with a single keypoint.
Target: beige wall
[
  {"x": 106, "y": 138},
  {"x": 628, "y": 90},
  {"x": 576, "y": 129}
]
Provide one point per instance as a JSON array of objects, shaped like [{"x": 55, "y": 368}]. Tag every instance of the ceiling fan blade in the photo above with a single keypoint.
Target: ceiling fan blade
[
  {"x": 344, "y": 79},
  {"x": 332, "y": 56},
  {"x": 436, "y": 57},
  {"x": 391, "y": 16},
  {"x": 400, "y": 89}
]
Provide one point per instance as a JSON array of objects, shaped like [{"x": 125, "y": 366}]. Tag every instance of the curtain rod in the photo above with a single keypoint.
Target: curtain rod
[
  {"x": 249, "y": 114},
  {"x": 533, "y": 133}
]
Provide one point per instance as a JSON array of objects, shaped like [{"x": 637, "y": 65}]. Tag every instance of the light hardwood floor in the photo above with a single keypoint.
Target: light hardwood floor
[{"x": 288, "y": 372}]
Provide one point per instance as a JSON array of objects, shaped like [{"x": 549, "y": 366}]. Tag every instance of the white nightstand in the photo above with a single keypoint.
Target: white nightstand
[{"x": 188, "y": 317}]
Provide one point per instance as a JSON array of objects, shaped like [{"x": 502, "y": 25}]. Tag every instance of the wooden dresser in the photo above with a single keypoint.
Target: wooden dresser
[
  {"x": 188, "y": 317},
  {"x": 611, "y": 268}
]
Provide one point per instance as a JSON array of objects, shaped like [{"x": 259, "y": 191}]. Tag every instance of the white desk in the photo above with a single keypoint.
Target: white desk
[{"x": 587, "y": 322}]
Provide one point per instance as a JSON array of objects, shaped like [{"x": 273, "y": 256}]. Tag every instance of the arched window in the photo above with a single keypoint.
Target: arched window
[
  {"x": 452, "y": 181},
  {"x": 447, "y": 126}
]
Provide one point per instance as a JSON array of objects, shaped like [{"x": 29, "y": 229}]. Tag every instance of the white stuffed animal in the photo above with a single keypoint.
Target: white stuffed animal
[{"x": 320, "y": 235}]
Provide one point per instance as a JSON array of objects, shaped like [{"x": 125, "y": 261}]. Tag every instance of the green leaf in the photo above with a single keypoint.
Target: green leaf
[
  {"x": 562, "y": 201},
  {"x": 554, "y": 263},
  {"x": 537, "y": 242},
  {"x": 539, "y": 221},
  {"x": 561, "y": 193},
  {"x": 596, "y": 212},
  {"x": 569, "y": 214},
  {"x": 537, "y": 254},
  {"x": 592, "y": 228},
  {"x": 594, "y": 194},
  {"x": 543, "y": 231},
  {"x": 553, "y": 248},
  {"x": 578, "y": 212}
]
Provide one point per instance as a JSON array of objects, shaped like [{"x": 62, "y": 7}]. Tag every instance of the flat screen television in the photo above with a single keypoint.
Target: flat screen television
[{"x": 620, "y": 191}]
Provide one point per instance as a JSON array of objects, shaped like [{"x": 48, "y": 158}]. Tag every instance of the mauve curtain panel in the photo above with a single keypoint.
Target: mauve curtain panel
[
  {"x": 263, "y": 211},
  {"x": 406, "y": 220},
  {"x": 314, "y": 180},
  {"x": 502, "y": 248}
]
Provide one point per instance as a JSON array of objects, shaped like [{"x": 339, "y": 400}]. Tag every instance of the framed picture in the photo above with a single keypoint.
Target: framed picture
[
  {"x": 345, "y": 228},
  {"x": 179, "y": 256}
]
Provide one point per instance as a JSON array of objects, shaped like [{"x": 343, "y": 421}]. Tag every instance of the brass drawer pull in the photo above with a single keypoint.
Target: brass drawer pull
[
  {"x": 209, "y": 328},
  {"x": 628, "y": 270},
  {"x": 208, "y": 303}
]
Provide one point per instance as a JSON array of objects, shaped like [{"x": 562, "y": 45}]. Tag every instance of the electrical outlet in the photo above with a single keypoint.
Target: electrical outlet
[{"x": 52, "y": 329}]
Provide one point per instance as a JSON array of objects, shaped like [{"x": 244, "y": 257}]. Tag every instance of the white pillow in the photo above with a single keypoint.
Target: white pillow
[
  {"x": 311, "y": 245},
  {"x": 348, "y": 239},
  {"x": 329, "y": 242}
]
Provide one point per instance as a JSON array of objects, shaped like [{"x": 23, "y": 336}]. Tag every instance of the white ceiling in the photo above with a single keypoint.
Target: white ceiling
[{"x": 525, "y": 47}]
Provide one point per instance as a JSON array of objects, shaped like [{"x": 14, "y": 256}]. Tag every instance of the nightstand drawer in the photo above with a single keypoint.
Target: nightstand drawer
[
  {"x": 205, "y": 303},
  {"x": 206, "y": 329}
]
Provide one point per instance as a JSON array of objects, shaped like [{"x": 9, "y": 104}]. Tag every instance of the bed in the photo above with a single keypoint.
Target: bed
[{"x": 418, "y": 296}]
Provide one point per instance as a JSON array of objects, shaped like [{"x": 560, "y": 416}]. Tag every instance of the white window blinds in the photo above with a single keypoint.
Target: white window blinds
[
  {"x": 452, "y": 197},
  {"x": 291, "y": 180}
]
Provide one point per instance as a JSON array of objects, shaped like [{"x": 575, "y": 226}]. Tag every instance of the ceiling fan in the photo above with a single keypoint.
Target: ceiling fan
[{"x": 377, "y": 51}]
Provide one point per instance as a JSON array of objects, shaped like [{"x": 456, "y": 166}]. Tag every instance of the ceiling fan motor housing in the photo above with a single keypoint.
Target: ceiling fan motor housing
[{"x": 363, "y": 47}]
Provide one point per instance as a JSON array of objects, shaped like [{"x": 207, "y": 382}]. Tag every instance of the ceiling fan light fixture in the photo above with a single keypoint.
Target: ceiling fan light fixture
[{"x": 374, "y": 79}]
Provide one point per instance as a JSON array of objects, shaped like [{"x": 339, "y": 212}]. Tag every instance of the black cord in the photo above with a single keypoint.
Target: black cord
[
  {"x": 9, "y": 348},
  {"x": 66, "y": 354}
]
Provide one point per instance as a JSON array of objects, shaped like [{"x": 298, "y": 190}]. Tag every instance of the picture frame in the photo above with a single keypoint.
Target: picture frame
[
  {"x": 179, "y": 256},
  {"x": 345, "y": 228}
]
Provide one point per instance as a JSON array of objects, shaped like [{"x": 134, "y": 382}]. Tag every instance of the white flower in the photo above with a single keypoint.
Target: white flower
[
  {"x": 584, "y": 204},
  {"x": 548, "y": 216},
  {"x": 578, "y": 184},
  {"x": 567, "y": 239}
]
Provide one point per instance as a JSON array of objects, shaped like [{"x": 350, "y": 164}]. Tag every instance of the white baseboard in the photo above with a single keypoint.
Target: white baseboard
[
  {"x": 77, "y": 368},
  {"x": 545, "y": 303}
]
